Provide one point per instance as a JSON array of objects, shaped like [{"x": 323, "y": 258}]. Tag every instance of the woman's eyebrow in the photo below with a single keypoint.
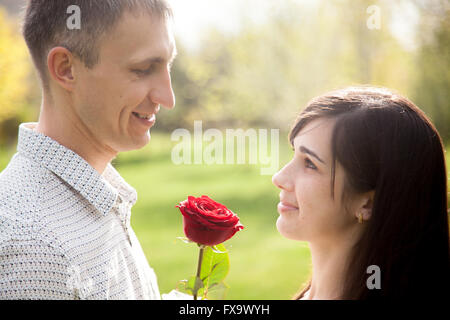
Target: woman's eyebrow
[{"x": 303, "y": 149}]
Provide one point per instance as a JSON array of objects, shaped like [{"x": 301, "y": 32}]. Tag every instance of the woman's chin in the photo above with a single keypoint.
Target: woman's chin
[{"x": 289, "y": 229}]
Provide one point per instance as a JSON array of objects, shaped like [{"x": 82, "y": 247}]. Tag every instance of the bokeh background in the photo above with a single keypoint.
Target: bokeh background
[{"x": 250, "y": 64}]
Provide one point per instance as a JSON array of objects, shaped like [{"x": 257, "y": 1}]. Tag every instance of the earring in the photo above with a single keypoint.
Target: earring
[{"x": 360, "y": 218}]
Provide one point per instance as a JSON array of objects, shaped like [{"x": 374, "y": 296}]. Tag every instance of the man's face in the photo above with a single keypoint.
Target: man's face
[{"x": 132, "y": 77}]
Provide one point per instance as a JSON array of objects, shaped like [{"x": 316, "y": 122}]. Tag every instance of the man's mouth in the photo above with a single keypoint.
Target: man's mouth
[{"x": 143, "y": 116}]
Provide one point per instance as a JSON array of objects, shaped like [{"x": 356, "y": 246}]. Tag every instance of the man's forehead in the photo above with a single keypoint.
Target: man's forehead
[
  {"x": 158, "y": 55},
  {"x": 141, "y": 37}
]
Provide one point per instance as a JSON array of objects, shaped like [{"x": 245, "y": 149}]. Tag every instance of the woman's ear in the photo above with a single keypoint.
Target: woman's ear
[
  {"x": 60, "y": 64},
  {"x": 364, "y": 208}
]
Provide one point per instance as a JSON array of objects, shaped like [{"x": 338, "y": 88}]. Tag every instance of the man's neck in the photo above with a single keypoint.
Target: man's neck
[{"x": 67, "y": 130}]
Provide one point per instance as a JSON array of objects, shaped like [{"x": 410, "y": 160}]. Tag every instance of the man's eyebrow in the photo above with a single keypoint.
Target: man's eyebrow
[
  {"x": 310, "y": 152},
  {"x": 157, "y": 59}
]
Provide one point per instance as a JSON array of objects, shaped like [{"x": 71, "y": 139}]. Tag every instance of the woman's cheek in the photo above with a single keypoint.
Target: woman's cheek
[{"x": 313, "y": 196}]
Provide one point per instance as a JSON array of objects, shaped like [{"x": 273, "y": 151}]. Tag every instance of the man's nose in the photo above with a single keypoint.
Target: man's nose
[{"x": 162, "y": 92}]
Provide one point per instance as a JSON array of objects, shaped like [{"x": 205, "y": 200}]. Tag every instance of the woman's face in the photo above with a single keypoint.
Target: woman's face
[{"x": 307, "y": 211}]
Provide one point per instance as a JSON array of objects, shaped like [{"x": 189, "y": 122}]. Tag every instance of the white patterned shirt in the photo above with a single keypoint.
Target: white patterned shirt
[{"x": 65, "y": 229}]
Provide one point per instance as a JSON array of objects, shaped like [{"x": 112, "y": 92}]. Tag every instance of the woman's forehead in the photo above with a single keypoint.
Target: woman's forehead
[{"x": 317, "y": 135}]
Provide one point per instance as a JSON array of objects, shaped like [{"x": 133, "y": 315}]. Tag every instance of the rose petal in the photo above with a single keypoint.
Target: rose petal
[{"x": 208, "y": 222}]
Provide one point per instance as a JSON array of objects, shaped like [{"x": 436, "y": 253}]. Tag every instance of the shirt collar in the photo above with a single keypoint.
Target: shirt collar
[
  {"x": 74, "y": 170},
  {"x": 126, "y": 192}
]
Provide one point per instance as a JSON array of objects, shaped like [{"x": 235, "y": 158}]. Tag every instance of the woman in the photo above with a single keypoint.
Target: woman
[{"x": 367, "y": 188}]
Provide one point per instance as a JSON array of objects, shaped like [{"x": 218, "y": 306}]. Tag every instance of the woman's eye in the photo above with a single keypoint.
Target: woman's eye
[{"x": 309, "y": 164}]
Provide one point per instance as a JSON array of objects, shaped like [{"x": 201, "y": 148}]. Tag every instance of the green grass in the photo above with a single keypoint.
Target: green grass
[{"x": 264, "y": 265}]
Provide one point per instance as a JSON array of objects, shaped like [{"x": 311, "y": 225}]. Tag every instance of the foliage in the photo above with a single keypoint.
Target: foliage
[
  {"x": 264, "y": 74},
  {"x": 214, "y": 268},
  {"x": 432, "y": 85},
  {"x": 14, "y": 70}
]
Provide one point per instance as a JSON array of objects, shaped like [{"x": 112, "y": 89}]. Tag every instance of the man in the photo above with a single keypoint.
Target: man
[{"x": 64, "y": 210}]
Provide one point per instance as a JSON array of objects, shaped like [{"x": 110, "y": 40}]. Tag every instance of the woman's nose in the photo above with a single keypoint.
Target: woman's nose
[
  {"x": 275, "y": 180},
  {"x": 282, "y": 180}
]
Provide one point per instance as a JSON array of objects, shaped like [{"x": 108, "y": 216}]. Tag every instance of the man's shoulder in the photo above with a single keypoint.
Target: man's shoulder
[
  {"x": 20, "y": 188},
  {"x": 22, "y": 167},
  {"x": 22, "y": 175}
]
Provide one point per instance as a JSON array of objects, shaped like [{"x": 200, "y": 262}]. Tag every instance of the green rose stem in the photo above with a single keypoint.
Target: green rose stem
[{"x": 199, "y": 267}]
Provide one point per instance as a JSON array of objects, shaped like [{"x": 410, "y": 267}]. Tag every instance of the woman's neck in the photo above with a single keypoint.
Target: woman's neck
[{"x": 329, "y": 269}]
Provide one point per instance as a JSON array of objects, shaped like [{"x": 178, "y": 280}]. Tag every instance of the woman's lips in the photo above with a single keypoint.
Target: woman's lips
[{"x": 285, "y": 207}]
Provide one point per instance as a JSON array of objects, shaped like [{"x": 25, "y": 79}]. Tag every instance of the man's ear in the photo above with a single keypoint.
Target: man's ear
[
  {"x": 60, "y": 63},
  {"x": 365, "y": 205}
]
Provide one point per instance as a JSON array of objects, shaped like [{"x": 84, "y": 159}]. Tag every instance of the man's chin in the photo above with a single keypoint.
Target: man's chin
[
  {"x": 143, "y": 141},
  {"x": 135, "y": 143}
]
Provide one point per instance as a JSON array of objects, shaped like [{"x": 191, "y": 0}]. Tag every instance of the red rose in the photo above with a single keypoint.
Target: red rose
[{"x": 208, "y": 222}]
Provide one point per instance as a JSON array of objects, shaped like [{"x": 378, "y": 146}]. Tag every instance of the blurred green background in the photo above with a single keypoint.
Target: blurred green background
[{"x": 250, "y": 64}]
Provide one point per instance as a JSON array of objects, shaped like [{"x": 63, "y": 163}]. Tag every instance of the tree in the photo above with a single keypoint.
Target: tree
[
  {"x": 432, "y": 82},
  {"x": 15, "y": 69}
]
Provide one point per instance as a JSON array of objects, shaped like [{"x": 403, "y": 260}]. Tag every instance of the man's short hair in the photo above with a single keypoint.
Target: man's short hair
[{"x": 45, "y": 26}]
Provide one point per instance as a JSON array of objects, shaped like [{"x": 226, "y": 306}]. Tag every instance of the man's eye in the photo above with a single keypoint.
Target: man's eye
[
  {"x": 143, "y": 72},
  {"x": 309, "y": 164}
]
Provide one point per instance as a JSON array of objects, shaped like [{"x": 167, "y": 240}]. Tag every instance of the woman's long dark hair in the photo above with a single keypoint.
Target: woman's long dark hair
[{"x": 387, "y": 144}]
